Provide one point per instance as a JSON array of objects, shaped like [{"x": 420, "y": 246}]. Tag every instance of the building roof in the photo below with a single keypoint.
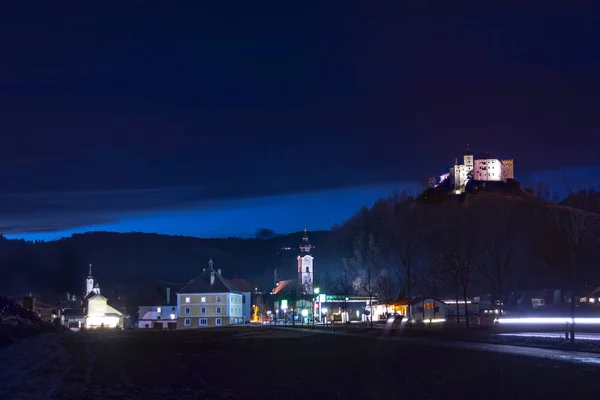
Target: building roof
[
  {"x": 202, "y": 283},
  {"x": 285, "y": 286},
  {"x": 73, "y": 312},
  {"x": 415, "y": 300},
  {"x": 241, "y": 284},
  {"x": 97, "y": 297}
]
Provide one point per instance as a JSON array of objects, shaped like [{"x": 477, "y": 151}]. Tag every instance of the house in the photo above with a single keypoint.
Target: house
[
  {"x": 209, "y": 300},
  {"x": 46, "y": 312},
  {"x": 163, "y": 313},
  {"x": 427, "y": 309},
  {"x": 100, "y": 315},
  {"x": 246, "y": 288},
  {"x": 73, "y": 318},
  {"x": 157, "y": 317}
]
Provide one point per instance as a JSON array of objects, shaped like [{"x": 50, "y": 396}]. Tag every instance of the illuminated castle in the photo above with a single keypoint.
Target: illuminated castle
[{"x": 484, "y": 169}]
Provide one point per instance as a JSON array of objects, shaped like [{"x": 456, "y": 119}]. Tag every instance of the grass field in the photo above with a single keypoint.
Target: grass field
[{"x": 258, "y": 362}]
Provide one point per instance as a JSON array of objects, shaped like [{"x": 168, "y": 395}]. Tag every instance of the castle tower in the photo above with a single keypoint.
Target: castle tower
[
  {"x": 89, "y": 283},
  {"x": 305, "y": 265},
  {"x": 468, "y": 158}
]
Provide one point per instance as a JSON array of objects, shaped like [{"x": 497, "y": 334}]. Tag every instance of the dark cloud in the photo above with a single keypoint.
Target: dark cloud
[
  {"x": 107, "y": 114},
  {"x": 62, "y": 210}
]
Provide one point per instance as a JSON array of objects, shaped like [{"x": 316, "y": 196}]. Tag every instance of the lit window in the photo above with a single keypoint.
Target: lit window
[
  {"x": 187, "y": 310},
  {"x": 203, "y": 310},
  {"x": 158, "y": 309},
  {"x": 186, "y": 322},
  {"x": 187, "y": 299},
  {"x": 218, "y": 299},
  {"x": 203, "y": 299},
  {"x": 218, "y": 321},
  {"x": 218, "y": 310},
  {"x": 203, "y": 322}
]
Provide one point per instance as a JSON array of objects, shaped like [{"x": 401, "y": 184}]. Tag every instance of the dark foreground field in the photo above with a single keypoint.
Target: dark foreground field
[{"x": 270, "y": 363}]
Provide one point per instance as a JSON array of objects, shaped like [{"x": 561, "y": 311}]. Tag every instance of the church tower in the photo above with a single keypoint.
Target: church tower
[
  {"x": 305, "y": 266},
  {"x": 89, "y": 283}
]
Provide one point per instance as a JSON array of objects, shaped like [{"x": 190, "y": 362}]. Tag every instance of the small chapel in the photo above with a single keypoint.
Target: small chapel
[{"x": 98, "y": 314}]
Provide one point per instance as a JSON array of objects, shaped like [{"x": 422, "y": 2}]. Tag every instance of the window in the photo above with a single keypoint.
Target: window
[
  {"x": 187, "y": 310},
  {"x": 187, "y": 299},
  {"x": 307, "y": 270},
  {"x": 218, "y": 299},
  {"x": 202, "y": 299},
  {"x": 158, "y": 309},
  {"x": 203, "y": 310},
  {"x": 203, "y": 322},
  {"x": 218, "y": 321},
  {"x": 244, "y": 299},
  {"x": 158, "y": 317},
  {"x": 218, "y": 310},
  {"x": 186, "y": 322}
]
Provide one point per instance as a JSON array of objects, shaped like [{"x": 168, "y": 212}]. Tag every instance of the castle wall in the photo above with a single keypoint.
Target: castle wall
[
  {"x": 488, "y": 170},
  {"x": 508, "y": 169}
]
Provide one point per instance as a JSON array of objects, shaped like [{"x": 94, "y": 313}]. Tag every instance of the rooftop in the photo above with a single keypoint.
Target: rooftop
[{"x": 202, "y": 283}]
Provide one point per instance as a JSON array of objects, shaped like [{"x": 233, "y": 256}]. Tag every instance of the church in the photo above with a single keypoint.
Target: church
[
  {"x": 300, "y": 299},
  {"x": 303, "y": 285},
  {"x": 98, "y": 314}
]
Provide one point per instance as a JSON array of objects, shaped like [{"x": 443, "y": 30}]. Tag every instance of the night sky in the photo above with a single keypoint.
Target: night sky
[{"x": 212, "y": 122}]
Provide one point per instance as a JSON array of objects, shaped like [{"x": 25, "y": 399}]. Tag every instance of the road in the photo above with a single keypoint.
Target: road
[{"x": 248, "y": 363}]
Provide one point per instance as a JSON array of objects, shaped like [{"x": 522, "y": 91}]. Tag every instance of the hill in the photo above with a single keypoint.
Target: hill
[
  {"x": 127, "y": 261},
  {"x": 501, "y": 235}
]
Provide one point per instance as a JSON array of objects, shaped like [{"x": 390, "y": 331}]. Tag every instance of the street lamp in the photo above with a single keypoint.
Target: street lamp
[
  {"x": 346, "y": 310},
  {"x": 316, "y": 291}
]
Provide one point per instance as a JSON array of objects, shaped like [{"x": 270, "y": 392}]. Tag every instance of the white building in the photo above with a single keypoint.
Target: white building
[
  {"x": 90, "y": 286},
  {"x": 305, "y": 266},
  {"x": 485, "y": 168},
  {"x": 163, "y": 313},
  {"x": 157, "y": 317}
]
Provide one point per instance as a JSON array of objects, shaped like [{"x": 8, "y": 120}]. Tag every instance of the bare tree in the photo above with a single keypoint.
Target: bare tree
[
  {"x": 385, "y": 287},
  {"x": 403, "y": 246},
  {"x": 366, "y": 258},
  {"x": 325, "y": 281},
  {"x": 345, "y": 282},
  {"x": 575, "y": 224},
  {"x": 457, "y": 252},
  {"x": 496, "y": 263}
]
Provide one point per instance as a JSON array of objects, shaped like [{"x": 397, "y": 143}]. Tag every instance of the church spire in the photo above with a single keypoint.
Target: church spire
[
  {"x": 210, "y": 263},
  {"x": 468, "y": 149},
  {"x": 305, "y": 246},
  {"x": 90, "y": 271}
]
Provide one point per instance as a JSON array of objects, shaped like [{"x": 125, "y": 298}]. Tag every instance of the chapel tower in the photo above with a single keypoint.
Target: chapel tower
[{"x": 89, "y": 283}]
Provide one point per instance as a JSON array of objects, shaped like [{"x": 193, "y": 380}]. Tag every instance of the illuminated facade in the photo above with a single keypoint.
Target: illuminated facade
[
  {"x": 305, "y": 266},
  {"x": 100, "y": 315},
  {"x": 484, "y": 168},
  {"x": 209, "y": 300},
  {"x": 90, "y": 286}
]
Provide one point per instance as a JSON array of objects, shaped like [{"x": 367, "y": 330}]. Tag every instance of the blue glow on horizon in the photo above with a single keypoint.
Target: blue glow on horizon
[{"x": 284, "y": 214}]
